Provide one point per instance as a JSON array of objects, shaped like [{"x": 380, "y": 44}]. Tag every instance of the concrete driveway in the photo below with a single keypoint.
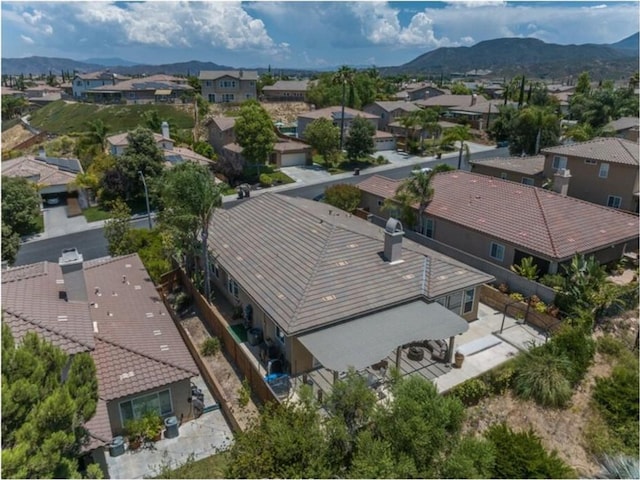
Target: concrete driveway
[
  {"x": 56, "y": 222},
  {"x": 307, "y": 173}
]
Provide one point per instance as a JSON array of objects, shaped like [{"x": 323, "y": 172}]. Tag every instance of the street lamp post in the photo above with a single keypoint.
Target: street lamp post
[{"x": 146, "y": 197}]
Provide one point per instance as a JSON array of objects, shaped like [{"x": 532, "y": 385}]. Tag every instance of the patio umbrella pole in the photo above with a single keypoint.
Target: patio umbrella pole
[{"x": 398, "y": 353}]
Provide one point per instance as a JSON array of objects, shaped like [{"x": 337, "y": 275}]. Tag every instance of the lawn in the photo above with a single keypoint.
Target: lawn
[
  {"x": 40, "y": 224},
  {"x": 95, "y": 214},
  {"x": 209, "y": 467},
  {"x": 67, "y": 118},
  {"x": 348, "y": 166}
]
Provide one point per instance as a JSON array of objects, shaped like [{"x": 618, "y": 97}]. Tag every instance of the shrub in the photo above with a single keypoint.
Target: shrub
[
  {"x": 265, "y": 180},
  {"x": 609, "y": 345},
  {"x": 210, "y": 347},
  {"x": 471, "y": 391},
  {"x": 542, "y": 375},
  {"x": 182, "y": 301},
  {"x": 500, "y": 379},
  {"x": 244, "y": 394},
  {"x": 534, "y": 300},
  {"x": 619, "y": 466},
  {"x": 540, "y": 307},
  {"x": 518, "y": 297},
  {"x": 553, "y": 280},
  {"x": 578, "y": 348},
  {"x": 521, "y": 455},
  {"x": 380, "y": 160},
  {"x": 503, "y": 287}
]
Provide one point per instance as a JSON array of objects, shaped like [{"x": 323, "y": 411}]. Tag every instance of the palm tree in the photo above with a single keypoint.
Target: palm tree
[
  {"x": 98, "y": 132},
  {"x": 409, "y": 122},
  {"x": 343, "y": 76},
  {"x": 416, "y": 189},
  {"x": 428, "y": 123},
  {"x": 541, "y": 118},
  {"x": 459, "y": 133}
]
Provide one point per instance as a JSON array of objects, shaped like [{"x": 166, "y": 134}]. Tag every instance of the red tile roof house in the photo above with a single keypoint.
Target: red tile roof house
[
  {"x": 527, "y": 170},
  {"x": 332, "y": 289},
  {"x": 110, "y": 308},
  {"x": 390, "y": 111},
  {"x": 502, "y": 222},
  {"x": 602, "y": 171}
]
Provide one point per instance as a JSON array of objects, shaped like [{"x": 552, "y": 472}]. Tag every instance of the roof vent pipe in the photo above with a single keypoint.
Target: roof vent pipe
[{"x": 393, "y": 234}]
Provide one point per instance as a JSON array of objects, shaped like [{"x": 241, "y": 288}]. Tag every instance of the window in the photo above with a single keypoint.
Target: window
[
  {"x": 159, "y": 402},
  {"x": 588, "y": 161},
  {"x": 468, "y": 300},
  {"x": 604, "y": 170},
  {"x": 455, "y": 300},
  {"x": 497, "y": 251},
  {"x": 79, "y": 83},
  {"x": 527, "y": 181},
  {"x": 614, "y": 201},
  {"x": 228, "y": 97},
  {"x": 503, "y": 176},
  {"x": 280, "y": 335},
  {"x": 232, "y": 287},
  {"x": 559, "y": 163},
  {"x": 247, "y": 95},
  {"x": 212, "y": 98},
  {"x": 252, "y": 84},
  {"x": 207, "y": 83},
  {"x": 227, "y": 84},
  {"x": 380, "y": 203},
  {"x": 215, "y": 270},
  {"x": 429, "y": 227}
]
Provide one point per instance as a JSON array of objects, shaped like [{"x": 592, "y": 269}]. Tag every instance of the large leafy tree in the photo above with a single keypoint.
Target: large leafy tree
[
  {"x": 255, "y": 132},
  {"x": 360, "y": 140},
  {"x": 20, "y": 205},
  {"x": 324, "y": 136},
  {"x": 416, "y": 189},
  {"x": 13, "y": 106},
  {"x": 344, "y": 196},
  {"x": 189, "y": 197},
  {"x": 535, "y": 128},
  {"x": 344, "y": 77},
  {"x": 10, "y": 244},
  {"x": 46, "y": 398},
  {"x": 117, "y": 228}
]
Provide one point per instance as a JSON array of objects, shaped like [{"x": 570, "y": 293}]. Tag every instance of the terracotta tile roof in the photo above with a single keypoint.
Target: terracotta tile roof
[
  {"x": 329, "y": 111},
  {"x": 288, "y": 85},
  {"x": 239, "y": 74},
  {"x": 527, "y": 165},
  {"x": 450, "y": 101},
  {"x": 187, "y": 155},
  {"x": 487, "y": 106},
  {"x": 537, "y": 220},
  {"x": 99, "y": 428},
  {"x": 37, "y": 171},
  {"x": 309, "y": 265},
  {"x": 610, "y": 149},
  {"x": 101, "y": 75}
]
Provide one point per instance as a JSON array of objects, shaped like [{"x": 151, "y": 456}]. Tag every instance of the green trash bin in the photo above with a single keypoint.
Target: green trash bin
[{"x": 171, "y": 427}]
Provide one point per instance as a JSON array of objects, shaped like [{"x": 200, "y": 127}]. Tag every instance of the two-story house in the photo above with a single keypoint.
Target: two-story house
[
  {"x": 625, "y": 127},
  {"x": 152, "y": 89},
  {"x": 228, "y": 86},
  {"x": 602, "y": 171},
  {"x": 287, "y": 91},
  {"x": 527, "y": 170},
  {"x": 86, "y": 81},
  {"x": 390, "y": 111}
]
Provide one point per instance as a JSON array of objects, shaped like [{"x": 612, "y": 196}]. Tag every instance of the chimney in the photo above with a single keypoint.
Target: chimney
[
  {"x": 561, "y": 181},
  {"x": 240, "y": 73},
  {"x": 393, "y": 234},
  {"x": 165, "y": 130},
  {"x": 73, "y": 274},
  {"x": 473, "y": 99}
]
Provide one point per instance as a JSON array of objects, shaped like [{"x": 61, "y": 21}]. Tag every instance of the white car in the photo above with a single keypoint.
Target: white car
[
  {"x": 52, "y": 201},
  {"x": 422, "y": 170}
]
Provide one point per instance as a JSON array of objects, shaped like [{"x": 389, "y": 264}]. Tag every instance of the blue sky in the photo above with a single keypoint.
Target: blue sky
[{"x": 301, "y": 34}]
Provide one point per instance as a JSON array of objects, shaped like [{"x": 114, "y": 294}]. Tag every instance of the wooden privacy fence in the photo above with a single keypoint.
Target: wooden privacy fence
[{"x": 218, "y": 326}]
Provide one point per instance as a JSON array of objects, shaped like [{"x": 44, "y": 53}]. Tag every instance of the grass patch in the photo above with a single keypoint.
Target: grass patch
[
  {"x": 40, "y": 224},
  {"x": 68, "y": 118},
  {"x": 209, "y": 467},
  {"x": 95, "y": 214}
]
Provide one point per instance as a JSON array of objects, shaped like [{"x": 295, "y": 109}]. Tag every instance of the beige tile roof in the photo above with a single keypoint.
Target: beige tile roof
[
  {"x": 188, "y": 155},
  {"x": 154, "y": 82},
  {"x": 489, "y": 106},
  {"x": 540, "y": 221},
  {"x": 291, "y": 146},
  {"x": 288, "y": 85},
  {"x": 402, "y": 105},
  {"x": 29, "y": 167},
  {"x": 122, "y": 139},
  {"x": 309, "y": 265},
  {"x": 233, "y": 147},
  {"x": 610, "y": 149},
  {"x": 383, "y": 135},
  {"x": 101, "y": 75},
  {"x": 450, "y": 101},
  {"x": 99, "y": 428},
  {"x": 223, "y": 123},
  {"x": 329, "y": 111},
  {"x": 215, "y": 74},
  {"x": 527, "y": 165},
  {"x": 624, "y": 123}
]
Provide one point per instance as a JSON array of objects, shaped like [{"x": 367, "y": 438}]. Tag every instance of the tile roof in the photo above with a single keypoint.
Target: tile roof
[
  {"x": 29, "y": 167},
  {"x": 329, "y": 111},
  {"x": 609, "y": 149},
  {"x": 223, "y": 123},
  {"x": 402, "y": 105},
  {"x": 489, "y": 106},
  {"x": 288, "y": 85},
  {"x": 527, "y": 165},
  {"x": 538, "y": 220},
  {"x": 291, "y": 146},
  {"x": 154, "y": 82},
  {"x": 215, "y": 74},
  {"x": 383, "y": 135},
  {"x": 309, "y": 265},
  {"x": 623, "y": 123},
  {"x": 122, "y": 139},
  {"x": 450, "y": 101},
  {"x": 99, "y": 428},
  {"x": 187, "y": 155},
  {"x": 101, "y": 75}
]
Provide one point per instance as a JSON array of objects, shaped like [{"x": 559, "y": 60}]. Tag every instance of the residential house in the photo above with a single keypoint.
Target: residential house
[
  {"x": 220, "y": 132},
  {"x": 527, "y": 170},
  {"x": 503, "y": 222},
  {"x": 152, "y": 89},
  {"x": 40, "y": 91},
  {"x": 602, "y": 171},
  {"x": 451, "y": 102},
  {"x": 479, "y": 115},
  {"x": 390, "y": 111},
  {"x": 228, "y": 85},
  {"x": 54, "y": 177},
  {"x": 330, "y": 289},
  {"x": 287, "y": 91},
  {"x": 7, "y": 91},
  {"x": 418, "y": 91},
  {"x": 109, "y": 308},
  {"x": 625, "y": 127},
  {"x": 86, "y": 81}
]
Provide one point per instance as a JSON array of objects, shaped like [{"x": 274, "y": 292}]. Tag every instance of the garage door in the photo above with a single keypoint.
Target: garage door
[
  {"x": 293, "y": 159},
  {"x": 382, "y": 145}
]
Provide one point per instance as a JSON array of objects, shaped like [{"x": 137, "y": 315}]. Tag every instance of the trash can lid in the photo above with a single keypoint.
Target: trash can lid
[
  {"x": 116, "y": 441},
  {"x": 170, "y": 421}
]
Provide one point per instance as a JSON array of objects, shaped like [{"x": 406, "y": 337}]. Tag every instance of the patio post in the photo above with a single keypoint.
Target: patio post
[
  {"x": 335, "y": 376},
  {"x": 398, "y": 353},
  {"x": 452, "y": 341}
]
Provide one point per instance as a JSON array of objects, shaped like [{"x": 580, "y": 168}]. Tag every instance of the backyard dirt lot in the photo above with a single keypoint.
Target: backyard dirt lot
[{"x": 14, "y": 136}]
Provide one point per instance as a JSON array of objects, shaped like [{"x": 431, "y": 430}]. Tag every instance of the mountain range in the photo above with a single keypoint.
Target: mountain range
[{"x": 502, "y": 56}]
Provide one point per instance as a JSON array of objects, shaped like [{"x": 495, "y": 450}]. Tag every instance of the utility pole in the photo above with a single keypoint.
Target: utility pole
[{"x": 146, "y": 196}]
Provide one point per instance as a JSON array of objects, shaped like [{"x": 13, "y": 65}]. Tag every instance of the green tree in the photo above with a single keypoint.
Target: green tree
[
  {"x": 343, "y": 77},
  {"x": 190, "y": 196},
  {"x": 10, "y": 244},
  {"x": 344, "y": 196},
  {"x": 205, "y": 149},
  {"x": 459, "y": 88},
  {"x": 13, "y": 106},
  {"x": 20, "y": 205},
  {"x": 152, "y": 120},
  {"x": 459, "y": 133},
  {"x": 255, "y": 132},
  {"x": 535, "y": 128},
  {"x": 527, "y": 268},
  {"x": 117, "y": 227},
  {"x": 324, "y": 136},
  {"x": 360, "y": 142},
  {"x": 142, "y": 156},
  {"x": 98, "y": 132},
  {"x": 416, "y": 189},
  {"x": 42, "y": 411},
  {"x": 583, "y": 85},
  {"x": 428, "y": 120}
]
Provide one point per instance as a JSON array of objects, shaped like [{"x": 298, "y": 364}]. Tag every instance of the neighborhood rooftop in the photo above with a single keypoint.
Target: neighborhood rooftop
[
  {"x": 329, "y": 112},
  {"x": 539, "y": 220},
  {"x": 309, "y": 264},
  {"x": 526, "y": 165},
  {"x": 609, "y": 149},
  {"x": 239, "y": 74}
]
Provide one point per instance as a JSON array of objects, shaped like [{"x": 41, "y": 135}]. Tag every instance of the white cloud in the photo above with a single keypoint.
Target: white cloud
[
  {"x": 598, "y": 7},
  {"x": 477, "y": 3},
  {"x": 27, "y": 40}
]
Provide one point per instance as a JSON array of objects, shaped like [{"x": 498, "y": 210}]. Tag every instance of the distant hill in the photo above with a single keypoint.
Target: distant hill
[
  {"x": 533, "y": 57},
  {"x": 630, "y": 44},
  {"x": 192, "y": 67},
  {"x": 42, "y": 65},
  {"x": 110, "y": 62}
]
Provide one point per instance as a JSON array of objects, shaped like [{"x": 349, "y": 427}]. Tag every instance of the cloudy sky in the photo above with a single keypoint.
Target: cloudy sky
[{"x": 296, "y": 34}]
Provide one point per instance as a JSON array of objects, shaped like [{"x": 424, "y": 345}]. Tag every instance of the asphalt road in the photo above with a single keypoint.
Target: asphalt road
[{"x": 92, "y": 244}]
